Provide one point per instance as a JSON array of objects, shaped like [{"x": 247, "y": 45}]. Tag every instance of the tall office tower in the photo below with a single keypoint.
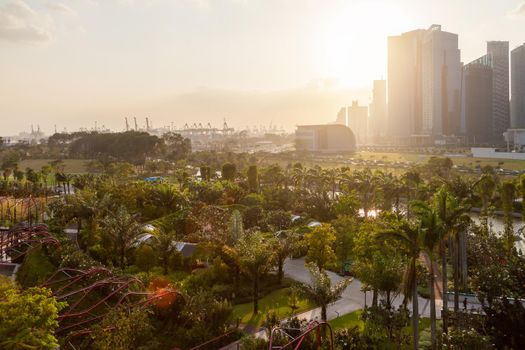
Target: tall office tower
[
  {"x": 518, "y": 88},
  {"x": 358, "y": 121},
  {"x": 341, "y": 117},
  {"x": 441, "y": 82},
  {"x": 424, "y": 83},
  {"x": 377, "y": 123},
  {"x": 404, "y": 84},
  {"x": 476, "y": 116},
  {"x": 499, "y": 50}
]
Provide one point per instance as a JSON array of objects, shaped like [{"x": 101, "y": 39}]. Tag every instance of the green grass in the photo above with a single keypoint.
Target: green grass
[
  {"x": 348, "y": 321},
  {"x": 352, "y": 320},
  {"x": 71, "y": 166},
  {"x": 510, "y": 164},
  {"x": 276, "y": 301},
  {"x": 387, "y": 159}
]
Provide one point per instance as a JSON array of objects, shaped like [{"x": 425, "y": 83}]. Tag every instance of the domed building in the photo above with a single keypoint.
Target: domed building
[{"x": 329, "y": 138}]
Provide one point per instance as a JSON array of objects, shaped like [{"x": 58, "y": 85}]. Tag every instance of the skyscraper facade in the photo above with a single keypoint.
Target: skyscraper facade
[
  {"x": 441, "y": 82},
  {"x": 341, "y": 117},
  {"x": 404, "y": 84},
  {"x": 378, "y": 109},
  {"x": 476, "y": 118},
  {"x": 424, "y": 83},
  {"x": 499, "y": 50},
  {"x": 518, "y": 87},
  {"x": 358, "y": 121}
]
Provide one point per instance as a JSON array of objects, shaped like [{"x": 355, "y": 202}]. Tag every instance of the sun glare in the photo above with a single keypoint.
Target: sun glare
[{"x": 355, "y": 39}]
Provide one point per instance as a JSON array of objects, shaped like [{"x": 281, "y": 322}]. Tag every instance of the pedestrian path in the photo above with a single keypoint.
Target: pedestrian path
[{"x": 352, "y": 299}]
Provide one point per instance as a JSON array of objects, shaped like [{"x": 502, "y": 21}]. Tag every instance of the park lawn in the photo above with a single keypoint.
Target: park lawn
[
  {"x": 71, "y": 166},
  {"x": 388, "y": 160},
  {"x": 511, "y": 164},
  {"x": 276, "y": 301},
  {"x": 393, "y": 157},
  {"x": 353, "y": 319},
  {"x": 348, "y": 321}
]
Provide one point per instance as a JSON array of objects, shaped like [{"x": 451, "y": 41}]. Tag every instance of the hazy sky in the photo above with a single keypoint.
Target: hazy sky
[{"x": 71, "y": 62}]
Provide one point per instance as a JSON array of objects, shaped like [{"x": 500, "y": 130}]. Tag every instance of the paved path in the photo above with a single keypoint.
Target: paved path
[
  {"x": 352, "y": 298},
  {"x": 438, "y": 277}
]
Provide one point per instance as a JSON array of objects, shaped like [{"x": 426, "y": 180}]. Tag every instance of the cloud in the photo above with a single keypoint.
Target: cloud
[
  {"x": 20, "y": 23},
  {"x": 61, "y": 8},
  {"x": 520, "y": 10}
]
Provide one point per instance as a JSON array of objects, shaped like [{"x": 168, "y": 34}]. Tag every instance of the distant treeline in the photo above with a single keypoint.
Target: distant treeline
[{"x": 131, "y": 146}]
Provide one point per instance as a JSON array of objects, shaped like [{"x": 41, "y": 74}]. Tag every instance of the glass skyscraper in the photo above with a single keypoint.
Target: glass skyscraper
[
  {"x": 518, "y": 88},
  {"x": 499, "y": 50}
]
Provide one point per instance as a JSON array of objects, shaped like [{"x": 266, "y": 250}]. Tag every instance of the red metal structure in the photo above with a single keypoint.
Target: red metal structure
[
  {"x": 15, "y": 243},
  {"x": 91, "y": 293},
  {"x": 295, "y": 342},
  {"x": 14, "y": 210}
]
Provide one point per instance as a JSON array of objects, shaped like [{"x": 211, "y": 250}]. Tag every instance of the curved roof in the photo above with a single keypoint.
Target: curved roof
[{"x": 325, "y": 137}]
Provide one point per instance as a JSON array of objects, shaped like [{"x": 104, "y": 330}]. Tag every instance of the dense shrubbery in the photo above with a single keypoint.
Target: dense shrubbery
[
  {"x": 246, "y": 220},
  {"x": 28, "y": 318},
  {"x": 35, "y": 269}
]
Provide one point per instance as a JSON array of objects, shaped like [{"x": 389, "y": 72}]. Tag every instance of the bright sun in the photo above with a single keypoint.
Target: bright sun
[{"x": 354, "y": 46}]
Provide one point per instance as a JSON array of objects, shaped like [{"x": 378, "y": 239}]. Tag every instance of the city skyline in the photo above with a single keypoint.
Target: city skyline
[{"x": 205, "y": 61}]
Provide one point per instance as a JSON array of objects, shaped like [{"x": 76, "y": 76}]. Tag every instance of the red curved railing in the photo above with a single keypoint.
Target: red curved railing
[
  {"x": 296, "y": 342},
  {"x": 15, "y": 242}
]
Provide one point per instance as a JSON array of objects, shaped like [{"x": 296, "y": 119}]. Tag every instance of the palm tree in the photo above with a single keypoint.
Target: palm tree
[
  {"x": 167, "y": 198},
  {"x": 433, "y": 232},
  {"x": 60, "y": 179},
  {"x": 68, "y": 179},
  {"x": 485, "y": 188},
  {"x": 454, "y": 217},
  {"x": 236, "y": 229},
  {"x": 411, "y": 180},
  {"x": 44, "y": 172},
  {"x": 298, "y": 176},
  {"x": 365, "y": 184},
  {"x": 320, "y": 290},
  {"x": 8, "y": 167},
  {"x": 410, "y": 238},
  {"x": 165, "y": 244},
  {"x": 122, "y": 229},
  {"x": 256, "y": 257},
  {"x": 390, "y": 189},
  {"x": 521, "y": 190},
  {"x": 332, "y": 177},
  {"x": 508, "y": 195},
  {"x": 284, "y": 244}
]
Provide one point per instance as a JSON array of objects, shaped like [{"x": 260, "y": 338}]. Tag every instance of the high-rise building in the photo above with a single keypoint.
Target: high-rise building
[
  {"x": 404, "y": 84},
  {"x": 358, "y": 121},
  {"x": 518, "y": 88},
  {"x": 424, "y": 83},
  {"x": 377, "y": 122},
  {"x": 341, "y": 117},
  {"x": 441, "y": 76},
  {"x": 476, "y": 119},
  {"x": 499, "y": 50}
]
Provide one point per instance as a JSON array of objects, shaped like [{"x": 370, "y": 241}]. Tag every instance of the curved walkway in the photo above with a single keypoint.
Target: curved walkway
[{"x": 352, "y": 298}]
